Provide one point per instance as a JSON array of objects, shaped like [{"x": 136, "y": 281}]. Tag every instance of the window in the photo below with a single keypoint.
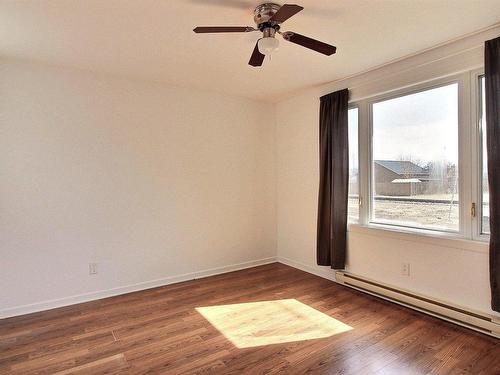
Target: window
[
  {"x": 485, "y": 208},
  {"x": 415, "y": 160},
  {"x": 421, "y": 163},
  {"x": 353, "y": 202}
]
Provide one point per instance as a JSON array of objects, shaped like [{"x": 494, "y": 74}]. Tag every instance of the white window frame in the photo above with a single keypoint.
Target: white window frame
[
  {"x": 355, "y": 106},
  {"x": 476, "y": 155},
  {"x": 469, "y": 148}
]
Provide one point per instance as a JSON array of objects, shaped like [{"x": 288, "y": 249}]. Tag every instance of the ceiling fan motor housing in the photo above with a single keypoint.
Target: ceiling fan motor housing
[
  {"x": 268, "y": 18},
  {"x": 263, "y": 14}
]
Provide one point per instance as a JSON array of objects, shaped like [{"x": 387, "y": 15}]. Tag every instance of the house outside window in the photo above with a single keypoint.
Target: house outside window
[{"x": 400, "y": 178}]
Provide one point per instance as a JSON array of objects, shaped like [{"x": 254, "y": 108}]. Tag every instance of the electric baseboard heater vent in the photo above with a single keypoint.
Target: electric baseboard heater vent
[{"x": 481, "y": 322}]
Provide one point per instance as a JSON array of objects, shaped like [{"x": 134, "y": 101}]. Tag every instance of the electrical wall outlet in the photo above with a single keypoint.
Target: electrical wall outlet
[
  {"x": 405, "y": 269},
  {"x": 92, "y": 268}
]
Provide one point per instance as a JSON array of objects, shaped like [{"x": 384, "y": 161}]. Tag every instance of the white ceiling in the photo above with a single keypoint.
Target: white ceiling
[{"x": 153, "y": 39}]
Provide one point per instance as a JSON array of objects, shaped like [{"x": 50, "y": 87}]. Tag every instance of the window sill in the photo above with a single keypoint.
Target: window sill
[{"x": 444, "y": 239}]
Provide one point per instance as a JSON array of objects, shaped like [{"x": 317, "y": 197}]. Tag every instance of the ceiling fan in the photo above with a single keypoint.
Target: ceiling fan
[{"x": 268, "y": 17}]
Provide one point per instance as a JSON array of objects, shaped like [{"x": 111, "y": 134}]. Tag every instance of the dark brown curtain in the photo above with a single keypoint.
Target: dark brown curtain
[
  {"x": 333, "y": 180},
  {"x": 492, "y": 82}
]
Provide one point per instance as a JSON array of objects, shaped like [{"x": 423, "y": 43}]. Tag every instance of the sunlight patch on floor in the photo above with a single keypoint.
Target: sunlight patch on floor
[{"x": 253, "y": 324}]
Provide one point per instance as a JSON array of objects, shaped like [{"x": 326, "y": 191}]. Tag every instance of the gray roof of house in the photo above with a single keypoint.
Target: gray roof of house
[{"x": 401, "y": 166}]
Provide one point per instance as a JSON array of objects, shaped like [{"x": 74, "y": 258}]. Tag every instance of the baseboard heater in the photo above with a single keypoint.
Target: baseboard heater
[{"x": 481, "y": 322}]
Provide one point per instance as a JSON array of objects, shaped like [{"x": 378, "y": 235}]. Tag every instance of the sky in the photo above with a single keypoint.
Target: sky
[
  {"x": 353, "y": 138},
  {"x": 420, "y": 127},
  {"x": 483, "y": 125}
]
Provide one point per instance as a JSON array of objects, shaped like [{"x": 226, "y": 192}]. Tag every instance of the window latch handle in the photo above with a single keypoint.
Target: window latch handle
[{"x": 473, "y": 210}]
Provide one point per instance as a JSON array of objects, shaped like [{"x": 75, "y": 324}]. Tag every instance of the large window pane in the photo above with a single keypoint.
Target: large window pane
[
  {"x": 353, "y": 205},
  {"x": 415, "y": 160},
  {"x": 485, "y": 196}
]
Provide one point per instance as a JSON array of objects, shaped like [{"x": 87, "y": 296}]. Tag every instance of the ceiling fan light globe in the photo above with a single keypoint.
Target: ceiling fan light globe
[{"x": 268, "y": 45}]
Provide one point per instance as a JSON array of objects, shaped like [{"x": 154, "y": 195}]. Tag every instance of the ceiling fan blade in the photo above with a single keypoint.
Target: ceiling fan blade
[
  {"x": 310, "y": 43},
  {"x": 223, "y": 29},
  {"x": 285, "y": 12},
  {"x": 257, "y": 58}
]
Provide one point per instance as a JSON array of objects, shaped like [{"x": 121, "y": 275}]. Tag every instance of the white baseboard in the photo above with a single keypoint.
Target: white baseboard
[
  {"x": 86, "y": 297},
  {"x": 321, "y": 271}
]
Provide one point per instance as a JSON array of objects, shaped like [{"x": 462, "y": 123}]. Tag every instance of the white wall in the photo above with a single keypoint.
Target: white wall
[
  {"x": 451, "y": 270},
  {"x": 150, "y": 182}
]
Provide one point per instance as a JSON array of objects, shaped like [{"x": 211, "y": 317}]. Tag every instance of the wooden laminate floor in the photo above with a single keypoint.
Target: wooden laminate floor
[{"x": 161, "y": 331}]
